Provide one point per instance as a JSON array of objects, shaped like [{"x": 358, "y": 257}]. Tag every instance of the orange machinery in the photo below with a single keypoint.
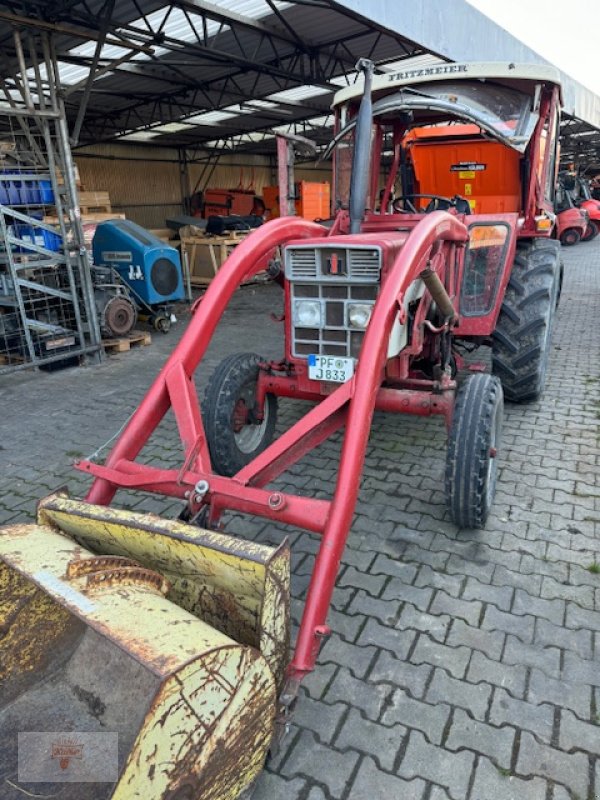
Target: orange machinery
[
  {"x": 450, "y": 160},
  {"x": 312, "y": 200}
]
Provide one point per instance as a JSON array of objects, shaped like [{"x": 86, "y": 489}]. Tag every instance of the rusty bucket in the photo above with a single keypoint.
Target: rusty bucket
[{"x": 170, "y": 638}]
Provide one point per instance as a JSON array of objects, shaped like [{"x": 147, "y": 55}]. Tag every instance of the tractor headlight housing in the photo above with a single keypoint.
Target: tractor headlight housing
[
  {"x": 359, "y": 315},
  {"x": 307, "y": 314}
]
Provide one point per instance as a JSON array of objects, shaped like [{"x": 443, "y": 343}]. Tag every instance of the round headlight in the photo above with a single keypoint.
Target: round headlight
[
  {"x": 307, "y": 314},
  {"x": 359, "y": 314}
]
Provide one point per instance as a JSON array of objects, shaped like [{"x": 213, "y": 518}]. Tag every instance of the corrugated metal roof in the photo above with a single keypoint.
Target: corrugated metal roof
[{"x": 238, "y": 69}]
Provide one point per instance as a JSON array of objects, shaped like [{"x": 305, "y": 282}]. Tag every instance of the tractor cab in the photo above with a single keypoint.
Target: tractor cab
[{"x": 469, "y": 138}]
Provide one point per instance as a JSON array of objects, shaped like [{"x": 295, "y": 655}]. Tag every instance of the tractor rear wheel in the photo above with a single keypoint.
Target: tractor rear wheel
[
  {"x": 522, "y": 339},
  {"x": 234, "y": 434},
  {"x": 473, "y": 443},
  {"x": 590, "y": 232}
]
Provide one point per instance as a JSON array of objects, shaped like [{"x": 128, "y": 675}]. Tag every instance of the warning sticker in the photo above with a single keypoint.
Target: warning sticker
[
  {"x": 466, "y": 175},
  {"x": 468, "y": 188}
]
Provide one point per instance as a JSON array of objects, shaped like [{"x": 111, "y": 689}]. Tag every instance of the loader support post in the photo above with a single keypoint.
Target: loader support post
[{"x": 437, "y": 226}]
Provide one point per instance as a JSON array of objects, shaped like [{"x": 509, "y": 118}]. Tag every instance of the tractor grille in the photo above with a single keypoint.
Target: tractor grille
[
  {"x": 334, "y": 277},
  {"x": 357, "y": 264}
]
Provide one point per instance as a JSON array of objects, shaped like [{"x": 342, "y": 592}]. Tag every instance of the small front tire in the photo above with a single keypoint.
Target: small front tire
[
  {"x": 235, "y": 437},
  {"x": 570, "y": 237},
  {"x": 473, "y": 444}
]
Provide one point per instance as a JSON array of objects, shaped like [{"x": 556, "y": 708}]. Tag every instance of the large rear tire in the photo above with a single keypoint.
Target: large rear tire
[
  {"x": 235, "y": 437},
  {"x": 473, "y": 443},
  {"x": 522, "y": 339}
]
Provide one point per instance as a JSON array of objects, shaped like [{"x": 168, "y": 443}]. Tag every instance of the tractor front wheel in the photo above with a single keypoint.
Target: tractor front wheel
[
  {"x": 590, "y": 232},
  {"x": 233, "y": 430},
  {"x": 522, "y": 339},
  {"x": 473, "y": 443}
]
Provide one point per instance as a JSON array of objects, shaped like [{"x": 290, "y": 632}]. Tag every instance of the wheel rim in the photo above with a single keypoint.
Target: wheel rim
[
  {"x": 492, "y": 467},
  {"x": 248, "y": 435}
]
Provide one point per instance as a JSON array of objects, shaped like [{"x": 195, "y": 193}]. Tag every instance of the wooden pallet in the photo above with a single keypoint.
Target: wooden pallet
[
  {"x": 94, "y": 202},
  {"x": 125, "y": 343}
]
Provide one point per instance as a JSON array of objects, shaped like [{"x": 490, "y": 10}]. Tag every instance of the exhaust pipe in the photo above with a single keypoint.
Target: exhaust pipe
[{"x": 362, "y": 149}]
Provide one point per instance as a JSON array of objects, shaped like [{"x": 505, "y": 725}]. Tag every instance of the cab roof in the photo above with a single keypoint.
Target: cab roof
[{"x": 522, "y": 77}]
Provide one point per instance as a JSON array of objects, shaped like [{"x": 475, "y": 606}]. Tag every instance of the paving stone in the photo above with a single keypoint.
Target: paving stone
[
  {"x": 318, "y": 717},
  {"x": 538, "y": 719},
  {"x": 548, "y": 762},
  {"x": 325, "y": 765},
  {"x": 356, "y": 659},
  {"x": 500, "y": 596},
  {"x": 413, "y": 619},
  {"x": 415, "y": 595},
  {"x": 437, "y": 793},
  {"x": 371, "y": 783},
  {"x": 430, "y": 719},
  {"x": 521, "y": 626},
  {"x": 384, "y": 610},
  {"x": 575, "y": 734},
  {"x": 369, "y": 697},
  {"x": 269, "y": 786},
  {"x": 508, "y": 578},
  {"x": 453, "y": 659},
  {"x": 344, "y": 624},
  {"x": 412, "y": 677},
  {"x": 546, "y": 659},
  {"x": 316, "y": 682},
  {"x": 577, "y": 641},
  {"x": 451, "y": 584},
  {"x": 380, "y": 741},
  {"x": 580, "y": 670},
  {"x": 497, "y": 743},
  {"x": 510, "y": 677},
  {"x": 489, "y": 642},
  {"x": 582, "y": 595},
  {"x": 482, "y": 571},
  {"x": 490, "y": 784},
  {"x": 468, "y": 610},
  {"x": 578, "y": 617},
  {"x": 387, "y": 637},
  {"x": 372, "y": 584},
  {"x": 472, "y": 697},
  {"x": 384, "y": 565},
  {"x": 552, "y": 610},
  {"x": 451, "y": 770},
  {"x": 562, "y": 692}
]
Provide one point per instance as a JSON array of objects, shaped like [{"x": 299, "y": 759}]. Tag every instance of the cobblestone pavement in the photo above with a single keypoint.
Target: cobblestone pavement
[{"x": 463, "y": 664}]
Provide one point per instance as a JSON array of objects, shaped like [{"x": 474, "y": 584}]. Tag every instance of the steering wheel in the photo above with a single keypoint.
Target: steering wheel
[{"x": 437, "y": 202}]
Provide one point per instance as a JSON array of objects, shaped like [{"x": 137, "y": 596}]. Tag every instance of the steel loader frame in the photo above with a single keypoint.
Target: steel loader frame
[{"x": 427, "y": 250}]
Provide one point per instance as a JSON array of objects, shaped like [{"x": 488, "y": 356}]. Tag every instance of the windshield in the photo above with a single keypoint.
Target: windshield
[{"x": 504, "y": 113}]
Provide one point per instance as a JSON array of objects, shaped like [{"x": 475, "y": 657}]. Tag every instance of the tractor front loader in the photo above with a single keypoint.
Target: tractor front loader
[{"x": 175, "y": 634}]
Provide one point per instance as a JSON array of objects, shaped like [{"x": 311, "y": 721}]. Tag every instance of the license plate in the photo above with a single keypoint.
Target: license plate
[{"x": 330, "y": 368}]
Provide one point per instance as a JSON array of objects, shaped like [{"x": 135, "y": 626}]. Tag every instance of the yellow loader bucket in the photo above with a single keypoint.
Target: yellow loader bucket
[{"x": 171, "y": 638}]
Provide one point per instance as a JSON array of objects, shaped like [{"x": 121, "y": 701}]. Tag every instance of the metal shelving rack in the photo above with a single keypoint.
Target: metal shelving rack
[{"x": 47, "y": 310}]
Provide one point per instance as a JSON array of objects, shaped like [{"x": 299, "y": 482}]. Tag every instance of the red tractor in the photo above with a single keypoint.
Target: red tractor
[
  {"x": 578, "y": 189},
  {"x": 441, "y": 243},
  {"x": 572, "y": 223}
]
